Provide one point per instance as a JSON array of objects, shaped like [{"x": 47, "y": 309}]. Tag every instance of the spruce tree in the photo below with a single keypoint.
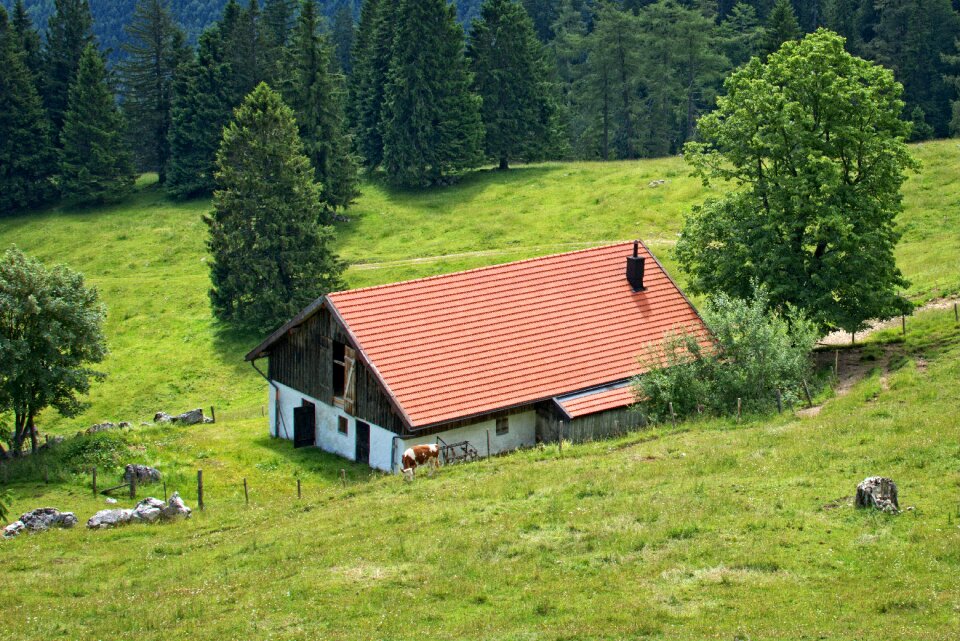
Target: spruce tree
[
  {"x": 27, "y": 158},
  {"x": 315, "y": 94},
  {"x": 199, "y": 110},
  {"x": 277, "y": 22},
  {"x": 371, "y": 63},
  {"x": 69, "y": 32},
  {"x": 781, "y": 26},
  {"x": 510, "y": 77},
  {"x": 342, "y": 33},
  {"x": 156, "y": 47},
  {"x": 431, "y": 122},
  {"x": 95, "y": 166},
  {"x": 242, "y": 48},
  {"x": 29, "y": 41},
  {"x": 271, "y": 255}
]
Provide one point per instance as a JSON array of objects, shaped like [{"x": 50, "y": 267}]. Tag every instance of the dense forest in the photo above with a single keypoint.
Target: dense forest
[{"x": 414, "y": 90}]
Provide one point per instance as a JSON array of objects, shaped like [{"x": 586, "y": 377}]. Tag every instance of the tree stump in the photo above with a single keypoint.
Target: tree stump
[{"x": 878, "y": 492}]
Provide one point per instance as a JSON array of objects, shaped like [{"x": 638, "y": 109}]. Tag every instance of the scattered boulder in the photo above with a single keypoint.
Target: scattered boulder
[
  {"x": 39, "y": 520},
  {"x": 142, "y": 473},
  {"x": 193, "y": 417},
  {"x": 101, "y": 427},
  {"x": 124, "y": 425},
  {"x": 111, "y": 500},
  {"x": 878, "y": 492},
  {"x": 149, "y": 510},
  {"x": 657, "y": 183}
]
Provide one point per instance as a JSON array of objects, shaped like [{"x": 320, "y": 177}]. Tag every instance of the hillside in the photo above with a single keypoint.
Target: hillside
[
  {"x": 148, "y": 256},
  {"x": 713, "y": 529}
]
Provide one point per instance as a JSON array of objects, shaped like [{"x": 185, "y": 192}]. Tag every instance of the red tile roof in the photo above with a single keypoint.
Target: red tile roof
[
  {"x": 458, "y": 345},
  {"x": 593, "y": 401}
]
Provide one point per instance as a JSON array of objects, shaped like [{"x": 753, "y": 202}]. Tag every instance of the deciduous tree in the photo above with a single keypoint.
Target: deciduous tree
[
  {"x": 51, "y": 331},
  {"x": 813, "y": 143}
]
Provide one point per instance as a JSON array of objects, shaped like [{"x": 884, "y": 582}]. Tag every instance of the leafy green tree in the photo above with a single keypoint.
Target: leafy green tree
[
  {"x": 198, "y": 113},
  {"x": 95, "y": 165},
  {"x": 815, "y": 145},
  {"x": 29, "y": 41},
  {"x": 156, "y": 47},
  {"x": 754, "y": 352},
  {"x": 782, "y": 26},
  {"x": 69, "y": 33},
  {"x": 27, "y": 160},
  {"x": 431, "y": 123},
  {"x": 315, "y": 93},
  {"x": 51, "y": 330},
  {"x": 271, "y": 255},
  {"x": 510, "y": 77}
]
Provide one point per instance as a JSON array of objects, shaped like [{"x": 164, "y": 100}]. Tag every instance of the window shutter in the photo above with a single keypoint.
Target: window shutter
[{"x": 350, "y": 380}]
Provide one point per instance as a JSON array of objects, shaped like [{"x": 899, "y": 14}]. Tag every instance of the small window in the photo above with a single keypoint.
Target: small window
[
  {"x": 503, "y": 426},
  {"x": 342, "y": 424}
]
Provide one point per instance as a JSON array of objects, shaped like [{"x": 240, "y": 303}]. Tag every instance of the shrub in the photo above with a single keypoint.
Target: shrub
[{"x": 755, "y": 352}]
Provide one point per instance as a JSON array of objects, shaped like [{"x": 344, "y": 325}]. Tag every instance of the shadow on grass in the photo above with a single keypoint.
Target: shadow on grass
[{"x": 315, "y": 461}]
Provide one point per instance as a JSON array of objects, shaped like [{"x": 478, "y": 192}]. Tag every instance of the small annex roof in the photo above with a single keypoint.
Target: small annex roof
[
  {"x": 596, "y": 400},
  {"x": 456, "y": 346}
]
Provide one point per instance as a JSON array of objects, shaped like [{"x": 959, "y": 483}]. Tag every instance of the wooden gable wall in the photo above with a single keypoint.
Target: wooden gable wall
[{"x": 303, "y": 360}]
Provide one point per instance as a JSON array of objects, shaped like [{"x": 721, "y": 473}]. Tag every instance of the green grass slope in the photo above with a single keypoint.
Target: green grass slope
[
  {"x": 148, "y": 258},
  {"x": 711, "y": 530}
]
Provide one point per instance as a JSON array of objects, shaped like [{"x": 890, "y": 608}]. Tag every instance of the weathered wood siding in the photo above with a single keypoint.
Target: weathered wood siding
[
  {"x": 592, "y": 427},
  {"x": 303, "y": 360}
]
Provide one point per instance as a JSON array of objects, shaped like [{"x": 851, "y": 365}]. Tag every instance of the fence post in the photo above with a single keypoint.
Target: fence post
[
  {"x": 213, "y": 414},
  {"x": 739, "y": 405},
  {"x": 200, "y": 488},
  {"x": 779, "y": 402},
  {"x": 903, "y": 323},
  {"x": 133, "y": 485},
  {"x": 560, "y": 439},
  {"x": 673, "y": 416},
  {"x": 298, "y": 489},
  {"x": 94, "y": 481},
  {"x": 246, "y": 493},
  {"x": 46, "y": 475},
  {"x": 164, "y": 491},
  {"x": 806, "y": 390},
  {"x": 836, "y": 363},
  {"x": 956, "y": 314},
  {"x": 488, "y": 443},
  {"x": 343, "y": 477}
]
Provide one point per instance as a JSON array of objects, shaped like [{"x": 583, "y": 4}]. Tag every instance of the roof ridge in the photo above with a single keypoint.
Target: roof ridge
[{"x": 486, "y": 267}]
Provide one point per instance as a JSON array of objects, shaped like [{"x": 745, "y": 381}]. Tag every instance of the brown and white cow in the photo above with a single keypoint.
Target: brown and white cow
[{"x": 420, "y": 455}]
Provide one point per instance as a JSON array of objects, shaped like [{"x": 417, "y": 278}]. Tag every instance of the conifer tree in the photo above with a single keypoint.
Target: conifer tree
[
  {"x": 315, "y": 94},
  {"x": 431, "y": 120},
  {"x": 156, "y": 47},
  {"x": 342, "y": 33},
  {"x": 277, "y": 23},
  {"x": 27, "y": 159},
  {"x": 29, "y": 40},
  {"x": 200, "y": 109},
  {"x": 95, "y": 165},
  {"x": 510, "y": 77},
  {"x": 242, "y": 47},
  {"x": 69, "y": 32},
  {"x": 271, "y": 255},
  {"x": 371, "y": 64},
  {"x": 781, "y": 26}
]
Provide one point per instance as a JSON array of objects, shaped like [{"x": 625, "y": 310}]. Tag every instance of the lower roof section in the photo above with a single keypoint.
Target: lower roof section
[{"x": 596, "y": 400}]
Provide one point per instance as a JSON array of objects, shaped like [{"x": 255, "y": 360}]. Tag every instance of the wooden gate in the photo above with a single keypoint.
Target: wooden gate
[{"x": 305, "y": 425}]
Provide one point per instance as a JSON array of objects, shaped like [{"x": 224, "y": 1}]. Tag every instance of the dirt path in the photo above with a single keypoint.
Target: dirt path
[{"x": 843, "y": 338}]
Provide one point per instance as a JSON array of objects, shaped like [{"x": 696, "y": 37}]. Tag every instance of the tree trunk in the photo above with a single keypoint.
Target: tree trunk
[
  {"x": 33, "y": 434},
  {"x": 504, "y": 164}
]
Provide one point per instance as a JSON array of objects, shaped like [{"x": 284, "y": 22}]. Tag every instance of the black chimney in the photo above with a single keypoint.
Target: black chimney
[{"x": 635, "y": 265}]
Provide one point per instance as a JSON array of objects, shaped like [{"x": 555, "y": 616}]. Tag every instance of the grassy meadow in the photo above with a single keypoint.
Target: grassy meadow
[{"x": 711, "y": 530}]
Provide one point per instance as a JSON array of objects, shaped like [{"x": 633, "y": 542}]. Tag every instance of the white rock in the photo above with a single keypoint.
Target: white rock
[
  {"x": 109, "y": 518},
  {"x": 13, "y": 529}
]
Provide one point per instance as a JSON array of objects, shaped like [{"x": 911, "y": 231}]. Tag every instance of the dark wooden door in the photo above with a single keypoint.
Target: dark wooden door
[
  {"x": 363, "y": 443},
  {"x": 305, "y": 425}
]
